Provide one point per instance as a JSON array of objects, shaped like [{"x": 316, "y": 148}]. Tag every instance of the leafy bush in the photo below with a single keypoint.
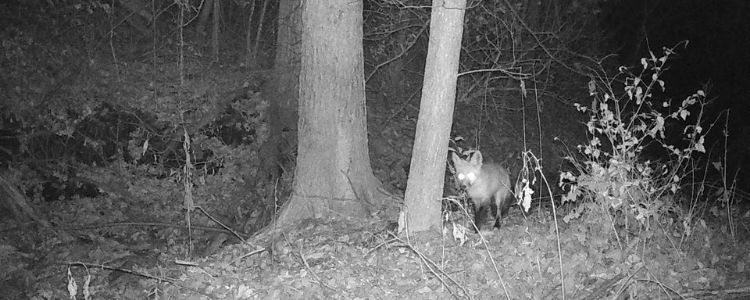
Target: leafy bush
[{"x": 613, "y": 172}]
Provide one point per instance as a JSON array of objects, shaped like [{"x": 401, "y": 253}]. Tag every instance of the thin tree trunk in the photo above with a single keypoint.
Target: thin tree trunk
[
  {"x": 430, "y": 151},
  {"x": 203, "y": 18},
  {"x": 261, "y": 20},
  {"x": 215, "y": 34},
  {"x": 249, "y": 35}
]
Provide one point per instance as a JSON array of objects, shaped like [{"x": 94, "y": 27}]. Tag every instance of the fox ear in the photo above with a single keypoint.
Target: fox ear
[
  {"x": 476, "y": 159},
  {"x": 455, "y": 157}
]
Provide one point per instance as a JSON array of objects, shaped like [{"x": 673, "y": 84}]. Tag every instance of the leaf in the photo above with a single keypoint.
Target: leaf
[
  {"x": 86, "y": 287},
  {"x": 459, "y": 233},
  {"x": 684, "y": 113},
  {"x": 639, "y": 95},
  {"x": 401, "y": 221},
  {"x": 144, "y": 148},
  {"x": 72, "y": 286},
  {"x": 699, "y": 145},
  {"x": 579, "y": 107},
  {"x": 658, "y": 127}
]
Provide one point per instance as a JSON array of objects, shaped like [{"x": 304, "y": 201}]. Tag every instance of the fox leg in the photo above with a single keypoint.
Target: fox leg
[
  {"x": 484, "y": 215},
  {"x": 496, "y": 212},
  {"x": 503, "y": 205}
]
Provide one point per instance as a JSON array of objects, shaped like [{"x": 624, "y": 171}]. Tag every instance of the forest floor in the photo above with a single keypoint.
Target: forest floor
[{"x": 364, "y": 260}]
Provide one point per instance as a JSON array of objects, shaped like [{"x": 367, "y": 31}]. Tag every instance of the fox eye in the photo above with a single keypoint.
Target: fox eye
[
  {"x": 471, "y": 177},
  {"x": 461, "y": 177}
]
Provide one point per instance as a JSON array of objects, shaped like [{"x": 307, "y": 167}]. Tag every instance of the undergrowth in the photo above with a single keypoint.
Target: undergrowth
[{"x": 615, "y": 177}]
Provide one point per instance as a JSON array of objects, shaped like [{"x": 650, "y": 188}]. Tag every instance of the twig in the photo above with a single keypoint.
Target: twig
[
  {"x": 249, "y": 254},
  {"x": 307, "y": 266},
  {"x": 172, "y": 281},
  {"x": 487, "y": 249},
  {"x": 221, "y": 224},
  {"x": 539, "y": 42},
  {"x": 122, "y": 224},
  {"x": 743, "y": 291},
  {"x": 434, "y": 269},
  {"x": 603, "y": 287},
  {"x": 375, "y": 69}
]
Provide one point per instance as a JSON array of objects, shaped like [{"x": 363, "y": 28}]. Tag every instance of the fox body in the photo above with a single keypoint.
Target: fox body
[{"x": 488, "y": 186}]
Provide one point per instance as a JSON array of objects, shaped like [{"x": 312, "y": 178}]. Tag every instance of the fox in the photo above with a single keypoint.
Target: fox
[{"x": 488, "y": 187}]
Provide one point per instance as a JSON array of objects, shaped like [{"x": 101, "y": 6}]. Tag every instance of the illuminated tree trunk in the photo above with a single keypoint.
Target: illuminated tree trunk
[{"x": 427, "y": 169}]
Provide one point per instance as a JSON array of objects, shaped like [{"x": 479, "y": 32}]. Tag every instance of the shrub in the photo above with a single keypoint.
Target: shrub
[{"x": 612, "y": 171}]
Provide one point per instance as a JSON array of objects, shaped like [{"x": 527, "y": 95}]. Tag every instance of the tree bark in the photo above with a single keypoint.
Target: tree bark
[
  {"x": 333, "y": 177},
  {"x": 427, "y": 171}
]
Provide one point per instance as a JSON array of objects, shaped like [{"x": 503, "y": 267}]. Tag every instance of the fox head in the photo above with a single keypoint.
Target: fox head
[{"x": 467, "y": 171}]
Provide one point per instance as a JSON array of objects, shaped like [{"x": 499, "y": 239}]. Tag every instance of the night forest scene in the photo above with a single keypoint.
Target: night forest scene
[{"x": 374, "y": 149}]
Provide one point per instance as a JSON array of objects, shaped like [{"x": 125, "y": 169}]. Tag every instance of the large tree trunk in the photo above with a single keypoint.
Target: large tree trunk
[
  {"x": 430, "y": 151},
  {"x": 333, "y": 177}
]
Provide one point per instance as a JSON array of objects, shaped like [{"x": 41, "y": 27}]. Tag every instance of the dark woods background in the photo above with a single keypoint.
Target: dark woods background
[{"x": 714, "y": 58}]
